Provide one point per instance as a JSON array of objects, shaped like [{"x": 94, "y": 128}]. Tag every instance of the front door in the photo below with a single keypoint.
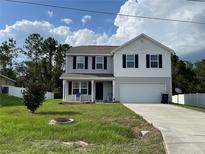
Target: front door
[{"x": 99, "y": 91}]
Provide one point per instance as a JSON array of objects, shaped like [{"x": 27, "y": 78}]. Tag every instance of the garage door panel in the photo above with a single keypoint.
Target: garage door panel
[{"x": 141, "y": 93}]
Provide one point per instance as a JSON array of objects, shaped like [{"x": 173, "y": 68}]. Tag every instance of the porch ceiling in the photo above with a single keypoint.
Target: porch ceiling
[{"x": 86, "y": 76}]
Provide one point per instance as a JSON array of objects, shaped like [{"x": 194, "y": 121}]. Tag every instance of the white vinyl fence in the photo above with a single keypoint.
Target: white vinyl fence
[
  {"x": 18, "y": 92},
  {"x": 190, "y": 99}
]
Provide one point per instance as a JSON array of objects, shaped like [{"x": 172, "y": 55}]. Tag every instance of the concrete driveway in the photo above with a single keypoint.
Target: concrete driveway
[{"x": 183, "y": 129}]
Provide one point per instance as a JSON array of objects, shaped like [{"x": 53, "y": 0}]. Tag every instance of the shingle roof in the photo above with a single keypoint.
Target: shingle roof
[
  {"x": 7, "y": 78},
  {"x": 92, "y": 49},
  {"x": 85, "y": 75}
]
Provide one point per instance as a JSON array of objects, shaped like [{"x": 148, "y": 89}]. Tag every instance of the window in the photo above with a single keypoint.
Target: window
[
  {"x": 99, "y": 62},
  {"x": 80, "y": 62},
  {"x": 84, "y": 88},
  {"x": 80, "y": 87},
  {"x": 154, "y": 61},
  {"x": 76, "y": 87},
  {"x": 130, "y": 61}
]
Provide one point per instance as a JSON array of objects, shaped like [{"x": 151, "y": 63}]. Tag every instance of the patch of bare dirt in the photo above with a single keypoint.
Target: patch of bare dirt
[
  {"x": 77, "y": 144},
  {"x": 145, "y": 131}
]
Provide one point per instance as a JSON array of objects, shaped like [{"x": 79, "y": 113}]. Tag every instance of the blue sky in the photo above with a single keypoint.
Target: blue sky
[
  {"x": 83, "y": 28},
  {"x": 12, "y": 12}
]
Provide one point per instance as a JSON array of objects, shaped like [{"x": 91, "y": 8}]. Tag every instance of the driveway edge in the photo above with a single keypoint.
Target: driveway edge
[{"x": 165, "y": 145}]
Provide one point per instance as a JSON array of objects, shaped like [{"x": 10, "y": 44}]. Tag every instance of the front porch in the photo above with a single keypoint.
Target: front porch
[{"x": 88, "y": 88}]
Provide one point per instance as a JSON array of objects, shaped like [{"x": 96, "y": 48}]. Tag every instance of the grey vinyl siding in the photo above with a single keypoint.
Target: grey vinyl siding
[
  {"x": 109, "y": 70},
  {"x": 163, "y": 80},
  {"x": 107, "y": 89}
]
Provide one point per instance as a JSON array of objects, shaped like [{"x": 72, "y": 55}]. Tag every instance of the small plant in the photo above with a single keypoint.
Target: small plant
[{"x": 34, "y": 95}]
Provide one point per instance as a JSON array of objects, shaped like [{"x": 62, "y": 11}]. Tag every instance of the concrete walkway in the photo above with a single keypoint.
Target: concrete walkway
[{"x": 183, "y": 129}]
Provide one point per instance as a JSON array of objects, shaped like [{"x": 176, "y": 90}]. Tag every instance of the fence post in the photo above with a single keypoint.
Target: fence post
[
  {"x": 177, "y": 99},
  {"x": 197, "y": 99}
]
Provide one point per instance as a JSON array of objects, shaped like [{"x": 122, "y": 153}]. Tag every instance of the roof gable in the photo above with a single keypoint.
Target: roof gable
[{"x": 146, "y": 37}]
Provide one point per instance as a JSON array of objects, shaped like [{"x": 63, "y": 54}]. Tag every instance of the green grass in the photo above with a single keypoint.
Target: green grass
[
  {"x": 192, "y": 107},
  {"x": 106, "y": 127},
  {"x": 6, "y": 100}
]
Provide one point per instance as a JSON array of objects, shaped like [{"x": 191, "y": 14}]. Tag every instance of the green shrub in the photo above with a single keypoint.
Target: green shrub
[
  {"x": 58, "y": 95},
  {"x": 34, "y": 95}
]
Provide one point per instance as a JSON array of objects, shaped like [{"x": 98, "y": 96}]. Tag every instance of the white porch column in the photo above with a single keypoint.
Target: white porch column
[
  {"x": 65, "y": 89},
  {"x": 92, "y": 92},
  {"x": 113, "y": 90}
]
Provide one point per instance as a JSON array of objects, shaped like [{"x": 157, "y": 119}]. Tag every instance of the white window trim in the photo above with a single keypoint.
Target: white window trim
[
  {"x": 130, "y": 60},
  {"x": 99, "y": 62},
  {"x": 84, "y": 88},
  {"x": 80, "y": 63},
  {"x": 75, "y": 88},
  {"x": 80, "y": 87},
  {"x": 154, "y": 61}
]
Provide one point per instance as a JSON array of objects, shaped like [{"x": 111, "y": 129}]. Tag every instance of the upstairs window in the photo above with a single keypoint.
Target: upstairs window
[
  {"x": 154, "y": 61},
  {"x": 99, "y": 62},
  {"x": 80, "y": 62},
  {"x": 130, "y": 61}
]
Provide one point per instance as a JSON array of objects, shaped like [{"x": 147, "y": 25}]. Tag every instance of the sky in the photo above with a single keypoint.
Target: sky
[{"x": 84, "y": 28}]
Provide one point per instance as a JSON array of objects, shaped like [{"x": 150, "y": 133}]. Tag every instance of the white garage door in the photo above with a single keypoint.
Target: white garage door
[{"x": 141, "y": 93}]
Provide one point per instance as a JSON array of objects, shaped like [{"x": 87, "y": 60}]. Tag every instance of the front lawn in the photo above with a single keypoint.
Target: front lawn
[{"x": 106, "y": 127}]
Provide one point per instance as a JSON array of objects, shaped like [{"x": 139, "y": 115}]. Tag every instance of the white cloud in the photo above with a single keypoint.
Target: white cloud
[
  {"x": 183, "y": 38},
  {"x": 82, "y": 36},
  {"x": 85, "y": 19},
  {"x": 50, "y": 13},
  {"x": 127, "y": 27},
  {"x": 67, "y": 21},
  {"x": 21, "y": 29}
]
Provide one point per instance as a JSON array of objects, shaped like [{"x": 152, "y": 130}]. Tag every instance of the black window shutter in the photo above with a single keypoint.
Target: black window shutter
[
  {"x": 74, "y": 62},
  {"x": 124, "y": 61},
  {"x": 148, "y": 61},
  {"x": 105, "y": 62},
  {"x": 89, "y": 88},
  {"x": 160, "y": 61},
  {"x": 136, "y": 61},
  {"x": 93, "y": 63},
  {"x": 86, "y": 62},
  {"x": 69, "y": 87}
]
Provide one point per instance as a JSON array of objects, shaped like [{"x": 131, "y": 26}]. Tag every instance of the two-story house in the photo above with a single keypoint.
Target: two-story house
[{"x": 138, "y": 71}]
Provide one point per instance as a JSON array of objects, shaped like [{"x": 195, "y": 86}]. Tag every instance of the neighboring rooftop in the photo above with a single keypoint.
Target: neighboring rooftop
[
  {"x": 92, "y": 49},
  {"x": 3, "y": 76}
]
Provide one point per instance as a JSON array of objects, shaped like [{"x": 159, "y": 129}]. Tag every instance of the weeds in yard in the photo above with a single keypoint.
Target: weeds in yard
[{"x": 107, "y": 128}]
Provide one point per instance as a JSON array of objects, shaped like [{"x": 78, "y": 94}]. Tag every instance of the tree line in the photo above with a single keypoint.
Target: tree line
[
  {"x": 44, "y": 63},
  {"x": 190, "y": 78}
]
